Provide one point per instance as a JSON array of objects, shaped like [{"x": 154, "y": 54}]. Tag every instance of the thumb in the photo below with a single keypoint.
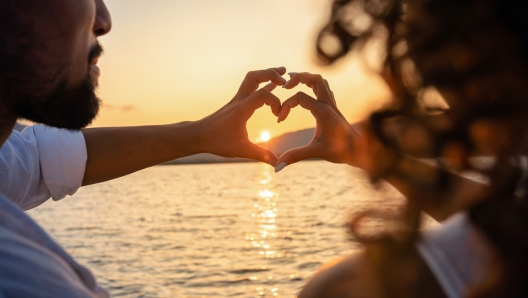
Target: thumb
[
  {"x": 262, "y": 154},
  {"x": 295, "y": 155}
]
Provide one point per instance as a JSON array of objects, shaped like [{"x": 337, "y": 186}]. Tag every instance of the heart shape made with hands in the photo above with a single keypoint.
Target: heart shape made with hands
[{"x": 227, "y": 132}]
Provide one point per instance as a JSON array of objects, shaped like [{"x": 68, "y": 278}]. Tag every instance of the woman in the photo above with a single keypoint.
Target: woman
[{"x": 475, "y": 55}]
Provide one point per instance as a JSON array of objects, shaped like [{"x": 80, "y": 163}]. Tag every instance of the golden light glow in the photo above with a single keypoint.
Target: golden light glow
[
  {"x": 171, "y": 61},
  {"x": 265, "y": 136}
]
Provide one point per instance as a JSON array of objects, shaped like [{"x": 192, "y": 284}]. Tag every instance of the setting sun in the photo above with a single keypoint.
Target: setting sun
[{"x": 265, "y": 136}]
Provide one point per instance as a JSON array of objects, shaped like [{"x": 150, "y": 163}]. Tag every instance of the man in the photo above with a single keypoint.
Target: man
[{"x": 48, "y": 72}]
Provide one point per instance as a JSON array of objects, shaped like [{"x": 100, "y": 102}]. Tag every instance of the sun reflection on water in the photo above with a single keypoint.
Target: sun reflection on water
[{"x": 266, "y": 215}]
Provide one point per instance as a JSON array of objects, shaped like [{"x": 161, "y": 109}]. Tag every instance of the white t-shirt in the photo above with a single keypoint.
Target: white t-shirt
[
  {"x": 457, "y": 254},
  {"x": 35, "y": 165},
  {"x": 41, "y": 163}
]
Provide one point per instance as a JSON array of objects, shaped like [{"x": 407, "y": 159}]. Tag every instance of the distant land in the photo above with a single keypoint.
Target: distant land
[{"x": 278, "y": 145}]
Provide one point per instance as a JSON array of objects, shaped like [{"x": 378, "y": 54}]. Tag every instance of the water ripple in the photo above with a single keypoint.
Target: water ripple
[{"x": 235, "y": 230}]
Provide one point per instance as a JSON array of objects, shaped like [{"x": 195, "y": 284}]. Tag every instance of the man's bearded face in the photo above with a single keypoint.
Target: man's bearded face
[
  {"x": 71, "y": 107},
  {"x": 48, "y": 59}
]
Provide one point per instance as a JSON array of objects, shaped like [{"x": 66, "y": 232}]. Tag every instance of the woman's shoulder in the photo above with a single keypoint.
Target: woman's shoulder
[
  {"x": 365, "y": 274},
  {"x": 345, "y": 277}
]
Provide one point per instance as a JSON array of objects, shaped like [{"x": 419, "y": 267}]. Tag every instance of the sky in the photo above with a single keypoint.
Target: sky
[{"x": 169, "y": 61}]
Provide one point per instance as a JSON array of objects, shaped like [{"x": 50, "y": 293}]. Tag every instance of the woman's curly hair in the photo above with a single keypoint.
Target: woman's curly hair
[{"x": 475, "y": 54}]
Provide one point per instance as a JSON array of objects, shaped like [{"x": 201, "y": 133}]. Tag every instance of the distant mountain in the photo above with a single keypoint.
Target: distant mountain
[
  {"x": 290, "y": 140},
  {"x": 278, "y": 145}
]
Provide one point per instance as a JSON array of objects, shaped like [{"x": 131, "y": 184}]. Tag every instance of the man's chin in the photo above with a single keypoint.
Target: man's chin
[
  {"x": 73, "y": 118},
  {"x": 69, "y": 108}
]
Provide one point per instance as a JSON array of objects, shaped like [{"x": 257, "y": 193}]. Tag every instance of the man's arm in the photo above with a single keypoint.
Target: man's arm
[{"x": 115, "y": 152}]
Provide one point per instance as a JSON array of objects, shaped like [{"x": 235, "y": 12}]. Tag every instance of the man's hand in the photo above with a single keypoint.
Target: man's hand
[
  {"x": 334, "y": 137},
  {"x": 224, "y": 133}
]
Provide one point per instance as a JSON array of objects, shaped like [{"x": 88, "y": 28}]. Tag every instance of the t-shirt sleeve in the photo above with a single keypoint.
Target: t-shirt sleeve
[
  {"x": 63, "y": 157},
  {"x": 41, "y": 163}
]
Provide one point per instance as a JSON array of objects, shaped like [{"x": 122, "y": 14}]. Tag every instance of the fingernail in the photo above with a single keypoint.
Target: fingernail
[
  {"x": 292, "y": 73},
  {"x": 279, "y": 168},
  {"x": 284, "y": 86}
]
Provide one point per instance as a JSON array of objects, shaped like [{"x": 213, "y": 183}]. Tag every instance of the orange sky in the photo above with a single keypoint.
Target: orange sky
[{"x": 169, "y": 61}]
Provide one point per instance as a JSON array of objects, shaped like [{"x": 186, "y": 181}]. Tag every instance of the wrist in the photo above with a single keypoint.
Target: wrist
[
  {"x": 353, "y": 156},
  {"x": 187, "y": 137}
]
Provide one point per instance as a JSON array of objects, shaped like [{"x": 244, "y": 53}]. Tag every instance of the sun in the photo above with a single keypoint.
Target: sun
[{"x": 265, "y": 136}]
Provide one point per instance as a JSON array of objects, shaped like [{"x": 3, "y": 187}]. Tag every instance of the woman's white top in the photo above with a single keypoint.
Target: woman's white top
[{"x": 457, "y": 254}]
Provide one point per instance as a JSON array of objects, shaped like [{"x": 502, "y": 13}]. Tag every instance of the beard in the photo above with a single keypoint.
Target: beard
[
  {"x": 66, "y": 106},
  {"x": 70, "y": 108}
]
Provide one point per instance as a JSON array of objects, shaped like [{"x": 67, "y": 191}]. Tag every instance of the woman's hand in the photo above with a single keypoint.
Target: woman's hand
[
  {"x": 334, "y": 138},
  {"x": 224, "y": 133}
]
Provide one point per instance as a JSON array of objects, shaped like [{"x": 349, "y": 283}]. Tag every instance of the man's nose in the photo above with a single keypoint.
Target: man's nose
[{"x": 103, "y": 21}]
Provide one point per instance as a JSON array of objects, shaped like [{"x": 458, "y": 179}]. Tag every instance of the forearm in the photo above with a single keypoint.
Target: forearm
[
  {"x": 414, "y": 178},
  {"x": 419, "y": 184},
  {"x": 118, "y": 151}
]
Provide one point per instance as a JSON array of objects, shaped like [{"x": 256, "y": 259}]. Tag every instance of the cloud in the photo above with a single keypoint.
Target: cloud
[{"x": 121, "y": 108}]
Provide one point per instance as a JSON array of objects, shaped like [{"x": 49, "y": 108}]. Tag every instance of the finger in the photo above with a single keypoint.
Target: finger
[
  {"x": 333, "y": 100},
  {"x": 254, "y": 78},
  {"x": 331, "y": 92},
  {"x": 262, "y": 154},
  {"x": 302, "y": 99},
  {"x": 296, "y": 155},
  {"x": 314, "y": 81},
  {"x": 281, "y": 70},
  {"x": 270, "y": 87},
  {"x": 263, "y": 97}
]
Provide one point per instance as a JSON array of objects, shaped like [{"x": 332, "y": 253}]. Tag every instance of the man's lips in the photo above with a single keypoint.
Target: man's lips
[
  {"x": 94, "y": 69},
  {"x": 93, "y": 58},
  {"x": 94, "y": 75}
]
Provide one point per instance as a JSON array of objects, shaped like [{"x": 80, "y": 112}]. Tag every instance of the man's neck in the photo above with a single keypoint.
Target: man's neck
[{"x": 7, "y": 122}]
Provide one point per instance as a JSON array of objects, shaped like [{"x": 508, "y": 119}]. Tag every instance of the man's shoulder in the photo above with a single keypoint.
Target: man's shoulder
[
  {"x": 17, "y": 221},
  {"x": 28, "y": 269},
  {"x": 18, "y": 140},
  {"x": 31, "y": 263},
  {"x": 19, "y": 127}
]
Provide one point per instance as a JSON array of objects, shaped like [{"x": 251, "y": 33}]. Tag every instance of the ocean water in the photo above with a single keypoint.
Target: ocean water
[{"x": 224, "y": 230}]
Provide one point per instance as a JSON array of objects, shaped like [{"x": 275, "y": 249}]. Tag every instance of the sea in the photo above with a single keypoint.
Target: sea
[{"x": 217, "y": 230}]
